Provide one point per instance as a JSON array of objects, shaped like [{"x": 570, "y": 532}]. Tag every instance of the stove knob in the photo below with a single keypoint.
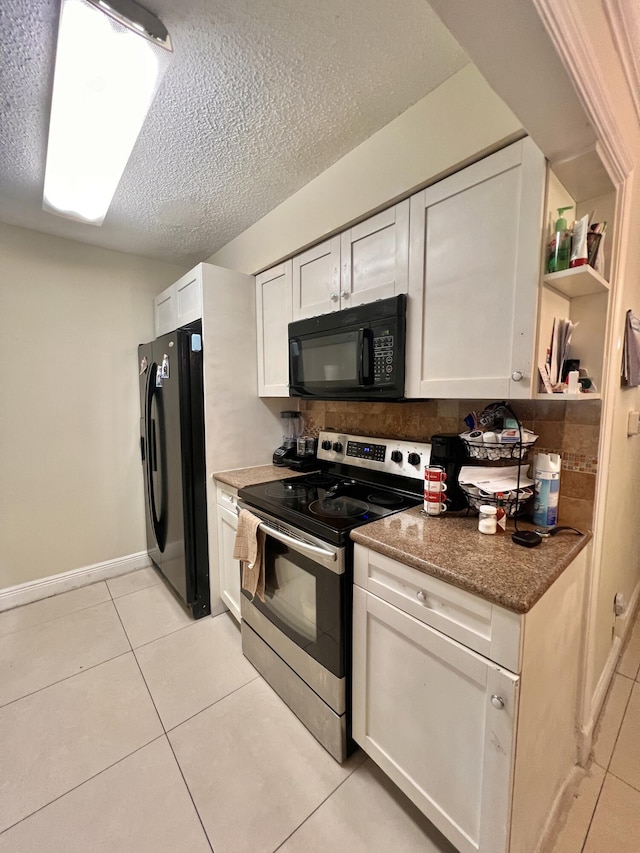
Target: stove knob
[
  {"x": 396, "y": 456},
  {"x": 337, "y": 446},
  {"x": 326, "y": 445},
  {"x": 413, "y": 459}
]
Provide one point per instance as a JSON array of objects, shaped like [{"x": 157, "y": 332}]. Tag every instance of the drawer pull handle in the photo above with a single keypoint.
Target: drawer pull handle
[
  {"x": 497, "y": 702},
  {"x": 420, "y": 595}
]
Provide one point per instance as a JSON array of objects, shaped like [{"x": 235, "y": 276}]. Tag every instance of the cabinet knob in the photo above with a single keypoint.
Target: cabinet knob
[
  {"x": 420, "y": 595},
  {"x": 517, "y": 376},
  {"x": 334, "y": 296},
  {"x": 497, "y": 702},
  {"x": 345, "y": 294}
]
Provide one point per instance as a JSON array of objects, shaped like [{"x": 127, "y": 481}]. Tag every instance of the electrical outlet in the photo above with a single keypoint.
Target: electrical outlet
[{"x": 633, "y": 425}]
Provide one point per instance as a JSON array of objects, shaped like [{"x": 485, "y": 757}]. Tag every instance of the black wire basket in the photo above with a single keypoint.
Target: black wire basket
[
  {"x": 522, "y": 502},
  {"x": 480, "y": 450}
]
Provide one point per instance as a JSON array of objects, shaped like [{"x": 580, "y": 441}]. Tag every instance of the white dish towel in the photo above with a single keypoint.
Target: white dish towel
[{"x": 249, "y": 549}]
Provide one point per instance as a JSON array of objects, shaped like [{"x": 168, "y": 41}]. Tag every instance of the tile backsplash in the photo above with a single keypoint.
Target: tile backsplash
[{"x": 571, "y": 429}]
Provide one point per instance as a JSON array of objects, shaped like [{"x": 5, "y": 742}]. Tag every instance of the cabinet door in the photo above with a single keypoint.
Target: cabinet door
[
  {"x": 164, "y": 311},
  {"x": 424, "y": 710},
  {"x": 316, "y": 280},
  {"x": 475, "y": 253},
  {"x": 375, "y": 257},
  {"x": 229, "y": 568},
  {"x": 188, "y": 295},
  {"x": 273, "y": 314}
]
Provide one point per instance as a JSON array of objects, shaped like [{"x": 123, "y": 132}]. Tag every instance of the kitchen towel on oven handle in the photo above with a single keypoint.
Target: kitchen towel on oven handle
[{"x": 249, "y": 549}]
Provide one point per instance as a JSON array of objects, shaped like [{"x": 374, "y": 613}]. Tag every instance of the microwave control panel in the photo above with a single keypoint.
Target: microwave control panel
[{"x": 383, "y": 357}]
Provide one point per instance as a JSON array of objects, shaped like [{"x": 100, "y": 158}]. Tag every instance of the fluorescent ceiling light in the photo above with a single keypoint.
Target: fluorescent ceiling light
[{"x": 110, "y": 60}]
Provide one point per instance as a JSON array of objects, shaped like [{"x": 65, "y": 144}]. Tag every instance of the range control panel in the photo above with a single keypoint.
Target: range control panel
[{"x": 388, "y": 455}]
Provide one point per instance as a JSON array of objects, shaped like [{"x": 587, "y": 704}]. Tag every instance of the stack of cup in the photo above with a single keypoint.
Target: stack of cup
[{"x": 435, "y": 489}]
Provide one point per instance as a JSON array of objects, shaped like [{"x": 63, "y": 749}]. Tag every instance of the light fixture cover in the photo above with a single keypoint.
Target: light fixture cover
[{"x": 109, "y": 65}]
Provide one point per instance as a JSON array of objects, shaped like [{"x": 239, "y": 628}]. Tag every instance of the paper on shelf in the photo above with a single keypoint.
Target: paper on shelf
[
  {"x": 559, "y": 348},
  {"x": 494, "y": 479}
]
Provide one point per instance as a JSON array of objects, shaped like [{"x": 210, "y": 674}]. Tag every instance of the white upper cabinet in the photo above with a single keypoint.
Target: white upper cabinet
[
  {"x": 316, "y": 280},
  {"x": 367, "y": 262},
  {"x": 179, "y": 304},
  {"x": 475, "y": 253},
  {"x": 375, "y": 257},
  {"x": 273, "y": 314}
]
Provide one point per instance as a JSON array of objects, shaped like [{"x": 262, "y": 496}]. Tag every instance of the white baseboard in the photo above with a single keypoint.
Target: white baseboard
[
  {"x": 25, "y": 593},
  {"x": 623, "y": 625},
  {"x": 585, "y": 737},
  {"x": 559, "y": 806}
]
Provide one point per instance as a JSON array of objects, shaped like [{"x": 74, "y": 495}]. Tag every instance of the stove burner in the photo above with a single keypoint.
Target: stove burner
[
  {"x": 341, "y": 507},
  {"x": 319, "y": 479},
  {"x": 288, "y": 491},
  {"x": 385, "y": 499}
]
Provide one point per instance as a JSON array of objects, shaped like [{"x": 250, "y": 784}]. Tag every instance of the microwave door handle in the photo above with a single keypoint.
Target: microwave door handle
[
  {"x": 365, "y": 342},
  {"x": 294, "y": 366}
]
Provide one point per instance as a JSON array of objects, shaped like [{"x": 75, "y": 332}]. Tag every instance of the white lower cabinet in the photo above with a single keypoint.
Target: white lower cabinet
[
  {"x": 484, "y": 752},
  {"x": 426, "y": 715},
  {"x": 229, "y": 567}
]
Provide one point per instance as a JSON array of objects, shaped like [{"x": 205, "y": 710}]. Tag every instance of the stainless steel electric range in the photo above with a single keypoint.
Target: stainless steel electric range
[{"x": 299, "y": 638}]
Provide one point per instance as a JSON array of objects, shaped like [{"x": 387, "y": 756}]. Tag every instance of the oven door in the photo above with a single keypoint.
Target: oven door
[{"x": 304, "y": 616}]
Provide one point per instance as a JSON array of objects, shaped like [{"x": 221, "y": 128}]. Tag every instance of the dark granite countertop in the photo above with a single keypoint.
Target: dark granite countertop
[
  {"x": 252, "y": 476},
  {"x": 452, "y": 549}
]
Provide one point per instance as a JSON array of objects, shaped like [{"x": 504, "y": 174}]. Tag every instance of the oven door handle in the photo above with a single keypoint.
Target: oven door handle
[{"x": 299, "y": 545}]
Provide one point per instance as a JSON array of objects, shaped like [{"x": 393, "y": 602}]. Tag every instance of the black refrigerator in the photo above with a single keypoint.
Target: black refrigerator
[{"x": 172, "y": 447}]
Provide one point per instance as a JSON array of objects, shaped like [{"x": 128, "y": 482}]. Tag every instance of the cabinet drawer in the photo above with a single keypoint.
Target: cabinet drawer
[
  {"x": 478, "y": 624},
  {"x": 227, "y": 497}
]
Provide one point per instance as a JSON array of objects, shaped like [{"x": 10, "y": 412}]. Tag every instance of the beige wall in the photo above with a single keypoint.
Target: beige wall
[
  {"x": 71, "y": 317},
  {"x": 447, "y": 128}
]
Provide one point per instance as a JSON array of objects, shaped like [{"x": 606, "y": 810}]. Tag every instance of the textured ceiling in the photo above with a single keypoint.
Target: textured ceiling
[{"x": 261, "y": 97}]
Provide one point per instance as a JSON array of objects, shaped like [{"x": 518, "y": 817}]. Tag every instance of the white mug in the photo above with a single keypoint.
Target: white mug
[
  {"x": 432, "y": 508},
  {"x": 434, "y": 486}
]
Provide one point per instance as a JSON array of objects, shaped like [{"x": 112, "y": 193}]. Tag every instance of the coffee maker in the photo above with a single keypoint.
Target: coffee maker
[
  {"x": 295, "y": 451},
  {"x": 449, "y": 451}
]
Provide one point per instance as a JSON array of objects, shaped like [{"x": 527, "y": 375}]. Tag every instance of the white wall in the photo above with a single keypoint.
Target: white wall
[
  {"x": 618, "y": 505},
  {"x": 452, "y": 125},
  {"x": 71, "y": 317}
]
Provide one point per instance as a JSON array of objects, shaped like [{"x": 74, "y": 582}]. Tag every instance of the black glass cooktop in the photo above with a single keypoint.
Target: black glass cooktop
[{"x": 325, "y": 504}]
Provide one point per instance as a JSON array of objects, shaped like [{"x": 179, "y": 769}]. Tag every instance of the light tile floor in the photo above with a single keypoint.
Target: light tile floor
[
  {"x": 605, "y": 814},
  {"x": 126, "y": 727}
]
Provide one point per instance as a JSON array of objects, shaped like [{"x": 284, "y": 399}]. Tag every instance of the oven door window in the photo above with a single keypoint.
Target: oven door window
[{"x": 306, "y": 601}]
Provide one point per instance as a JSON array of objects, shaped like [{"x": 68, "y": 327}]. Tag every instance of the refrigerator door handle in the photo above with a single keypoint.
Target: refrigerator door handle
[{"x": 152, "y": 460}]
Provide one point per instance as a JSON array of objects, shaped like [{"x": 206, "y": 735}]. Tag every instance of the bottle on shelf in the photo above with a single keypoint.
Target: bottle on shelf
[
  {"x": 560, "y": 244},
  {"x": 501, "y": 514}
]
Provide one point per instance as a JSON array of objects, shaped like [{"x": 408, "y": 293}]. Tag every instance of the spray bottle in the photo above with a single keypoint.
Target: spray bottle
[
  {"x": 547, "y": 476},
  {"x": 560, "y": 244}
]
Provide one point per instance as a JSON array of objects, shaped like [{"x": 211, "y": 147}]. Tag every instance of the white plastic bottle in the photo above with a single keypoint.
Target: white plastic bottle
[{"x": 547, "y": 477}]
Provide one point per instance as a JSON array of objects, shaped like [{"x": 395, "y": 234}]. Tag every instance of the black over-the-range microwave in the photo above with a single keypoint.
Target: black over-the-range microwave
[{"x": 353, "y": 354}]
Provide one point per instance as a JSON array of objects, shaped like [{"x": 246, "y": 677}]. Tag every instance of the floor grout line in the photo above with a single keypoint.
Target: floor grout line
[
  {"x": 84, "y": 782},
  {"x": 319, "y": 806},
  {"x": 66, "y": 678},
  {"x": 55, "y": 618},
  {"x": 202, "y": 710}
]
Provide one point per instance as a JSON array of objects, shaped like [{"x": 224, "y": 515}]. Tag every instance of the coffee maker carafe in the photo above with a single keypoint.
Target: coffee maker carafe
[
  {"x": 292, "y": 427},
  {"x": 449, "y": 451}
]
